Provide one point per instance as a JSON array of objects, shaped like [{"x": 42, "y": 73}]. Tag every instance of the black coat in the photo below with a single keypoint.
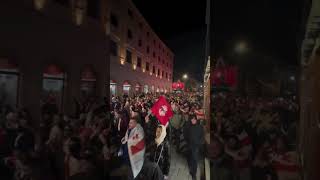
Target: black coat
[
  {"x": 149, "y": 171},
  {"x": 195, "y": 135},
  {"x": 163, "y": 157}
]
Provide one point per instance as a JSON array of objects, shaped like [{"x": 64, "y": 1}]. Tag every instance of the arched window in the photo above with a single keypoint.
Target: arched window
[
  {"x": 138, "y": 88},
  {"x": 52, "y": 88},
  {"x": 9, "y": 80},
  {"x": 113, "y": 88},
  {"x": 126, "y": 88}
]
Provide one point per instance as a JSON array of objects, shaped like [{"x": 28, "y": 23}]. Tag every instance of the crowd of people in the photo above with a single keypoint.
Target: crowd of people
[
  {"x": 253, "y": 138},
  {"x": 126, "y": 142}
]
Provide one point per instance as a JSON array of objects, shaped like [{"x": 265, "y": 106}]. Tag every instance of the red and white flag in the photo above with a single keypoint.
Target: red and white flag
[
  {"x": 136, "y": 149},
  {"x": 162, "y": 110}
]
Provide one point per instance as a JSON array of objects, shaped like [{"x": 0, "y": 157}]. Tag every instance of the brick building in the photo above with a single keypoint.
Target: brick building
[
  {"x": 52, "y": 50},
  {"x": 139, "y": 60}
]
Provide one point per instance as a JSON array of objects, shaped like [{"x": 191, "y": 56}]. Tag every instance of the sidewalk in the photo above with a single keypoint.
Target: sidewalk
[{"x": 179, "y": 168}]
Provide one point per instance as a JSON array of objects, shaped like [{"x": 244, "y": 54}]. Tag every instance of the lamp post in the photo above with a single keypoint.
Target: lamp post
[{"x": 185, "y": 77}]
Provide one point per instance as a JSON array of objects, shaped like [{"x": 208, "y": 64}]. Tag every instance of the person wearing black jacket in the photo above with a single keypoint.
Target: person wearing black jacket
[
  {"x": 160, "y": 152},
  {"x": 149, "y": 171},
  {"x": 195, "y": 139}
]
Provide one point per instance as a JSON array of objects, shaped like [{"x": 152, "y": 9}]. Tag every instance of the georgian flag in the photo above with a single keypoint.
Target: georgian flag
[
  {"x": 136, "y": 149},
  {"x": 162, "y": 110}
]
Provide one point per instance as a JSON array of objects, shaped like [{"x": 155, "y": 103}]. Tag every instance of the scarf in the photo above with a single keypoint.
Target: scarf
[{"x": 163, "y": 135}]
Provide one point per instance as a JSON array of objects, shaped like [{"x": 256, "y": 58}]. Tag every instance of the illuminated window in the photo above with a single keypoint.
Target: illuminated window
[{"x": 113, "y": 88}]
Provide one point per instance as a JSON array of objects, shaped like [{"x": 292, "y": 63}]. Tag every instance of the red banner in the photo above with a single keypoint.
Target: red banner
[
  {"x": 225, "y": 76},
  {"x": 162, "y": 110},
  {"x": 177, "y": 85}
]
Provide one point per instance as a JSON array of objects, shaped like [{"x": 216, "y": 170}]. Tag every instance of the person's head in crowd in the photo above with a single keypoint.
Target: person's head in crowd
[
  {"x": 23, "y": 122},
  {"x": 56, "y": 119},
  {"x": 198, "y": 107},
  {"x": 232, "y": 142},
  {"x": 193, "y": 119},
  {"x": 132, "y": 123},
  {"x": 161, "y": 133},
  {"x": 12, "y": 120},
  {"x": 25, "y": 114}
]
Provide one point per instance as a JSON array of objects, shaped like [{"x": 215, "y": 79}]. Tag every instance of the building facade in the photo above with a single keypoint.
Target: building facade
[
  {"x": 52, "y": 51},
  {"x": 139, "y": 60}
]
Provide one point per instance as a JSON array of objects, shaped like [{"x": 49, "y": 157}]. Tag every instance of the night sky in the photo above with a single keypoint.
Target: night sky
[
  {"x": 181, "y": 25},
  {"x": 270, "y": 28}
]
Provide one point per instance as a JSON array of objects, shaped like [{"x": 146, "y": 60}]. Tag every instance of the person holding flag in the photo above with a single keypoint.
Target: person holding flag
[
  {"x": 134, "y": 143},
  {"x": 160, "y": 151}
]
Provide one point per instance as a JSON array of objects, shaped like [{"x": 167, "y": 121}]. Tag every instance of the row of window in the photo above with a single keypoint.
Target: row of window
[
  {"x": 139, "y": 65},
  {"x": 115, "y": 24},
  {"x": 93, "y": 10},
  {"x": 114, "y": 52}
]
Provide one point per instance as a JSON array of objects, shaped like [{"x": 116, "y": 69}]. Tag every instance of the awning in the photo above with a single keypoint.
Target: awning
[
  {"x": 7, "y": 66},
  {"x": 53, "y": 71},
  {"x": 88, "y": 74}
]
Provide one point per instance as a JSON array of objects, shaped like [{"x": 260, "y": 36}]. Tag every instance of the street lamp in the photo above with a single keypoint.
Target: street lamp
[
  {"x": 241, "y": 47},
  {"x": 185, "y": 76}
]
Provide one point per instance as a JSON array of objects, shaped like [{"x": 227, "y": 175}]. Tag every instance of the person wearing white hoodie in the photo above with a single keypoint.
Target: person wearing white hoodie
[{"x": 160, "y": 152}]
